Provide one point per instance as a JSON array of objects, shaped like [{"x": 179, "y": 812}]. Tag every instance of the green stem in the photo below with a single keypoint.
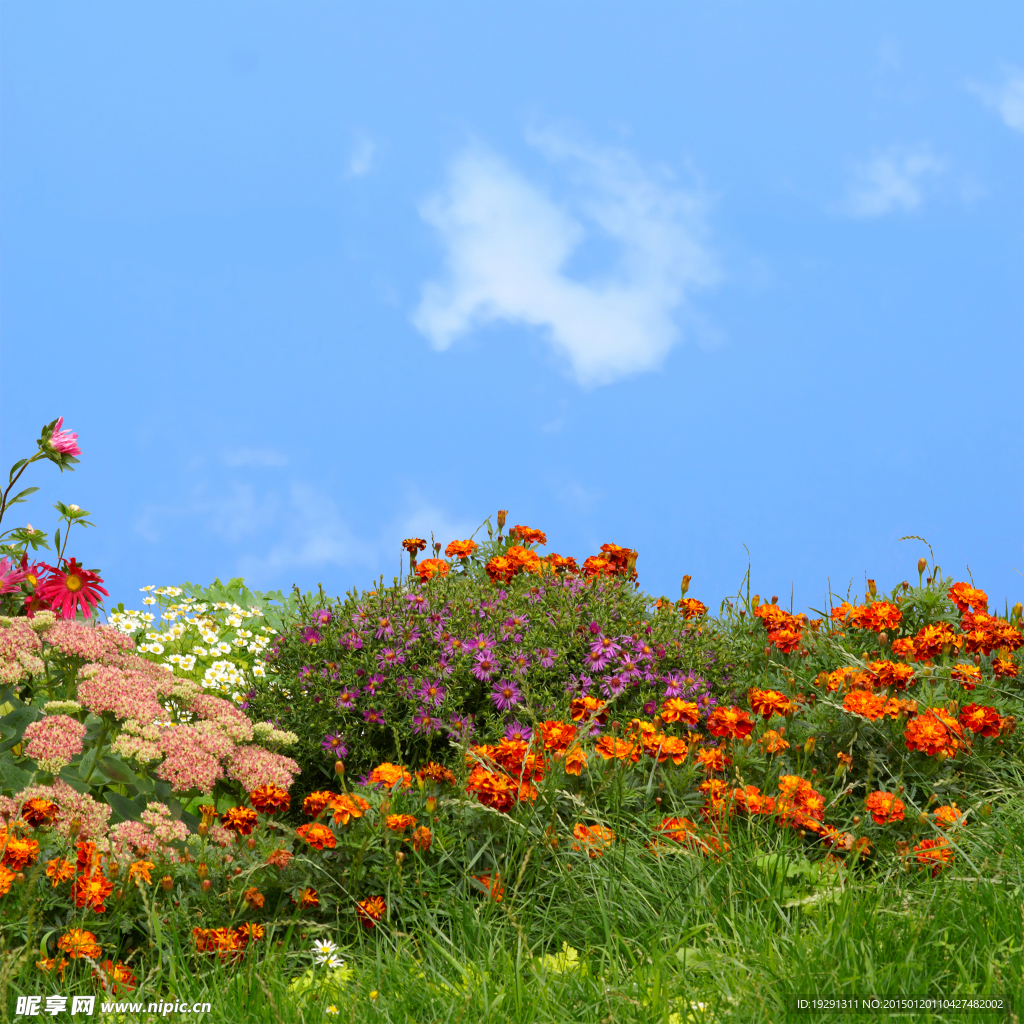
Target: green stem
[
  {"x": 14, "y": 480},
  {"x": 99, "y": 748}
]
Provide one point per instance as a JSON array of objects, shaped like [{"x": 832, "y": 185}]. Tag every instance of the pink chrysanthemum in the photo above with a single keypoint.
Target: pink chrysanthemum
[
  {"x": 70, "y": 590},
  {"x": 64, "y": 441}
]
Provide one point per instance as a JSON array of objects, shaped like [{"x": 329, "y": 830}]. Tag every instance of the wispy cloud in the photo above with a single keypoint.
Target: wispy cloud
[
  {"x": 360, "y": 160},
  {"x": 254, "y": 457},
  {"x": 508, "y": 243},
  {"x": 1007, "y": 98},
  {"x": 893, "y": 182}
]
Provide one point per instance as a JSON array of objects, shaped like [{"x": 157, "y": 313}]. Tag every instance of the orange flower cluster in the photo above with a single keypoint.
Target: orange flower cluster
[
  {"x": 712, "y": 759},
  {"x": 460, "y": 549},
  {"x": 730, "y": 722},
  {"x": 934, "y": 854},
  {"x": 77, "y": 942},
  {"x": 966, "y": 597},
  {"x": 59, "y": 870},
  {"x": 115, "y": 977},
  {"x": 877, "y": 616},
  {"x": 344, "y": 806},
  {"x": 884, "y": 808},
  {"x": 595, "y": 839},
  {"x": 691, "y": 608},
  {"x": 934, "y": 732},
  {"x": 254, "y": 898},
  {"x": 985, "y": 721},
  {"x": 949, "y": 816},
  {"x": 503, "y": 775},
  {"x": 227, "y": 943},
  {"x": 585, "y": 709},
  {"x": 769, "y": 702},
  {"x": 613, "y": 561},
  {"x": 528, "y": 535},
  {"x": 18, "y": 851},
  {"x": 492, "y": 885},
  {"x": 320, "y": 837},
  {"x": 390, "y": 775},
  {"x": 37, "y": 812},
  {"x": 241, "y": 820},
  {"x": 785, "y": 631},
  {"x": 371, "y": 910},
  {"x": 985, "y": 633},
  {"x": 399, "y": 822},
  {"x": 434, "y": 772},
  {"x": 431, "y": 567},
  {"x": 930, "y": 641},
  {"x": 799, "y": 805},
  {"x": 892, "y": 674},
  {"x": 968, "y": 676},
  {"x": 1004, "y": 668},
  {"x": 560, "y": 563},
  {"x": 414, "y": 544},
  {"x": 270, "y": 799},
  {"x": 772, "y": 742},
  {"x": 675, "y": 709},
  {"x": 92, "y": 891},
  {"x": 422, "y": 839}
]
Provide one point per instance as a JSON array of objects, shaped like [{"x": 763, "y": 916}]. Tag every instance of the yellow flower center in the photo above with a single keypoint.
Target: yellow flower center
[{"x": 74, "y": 583}]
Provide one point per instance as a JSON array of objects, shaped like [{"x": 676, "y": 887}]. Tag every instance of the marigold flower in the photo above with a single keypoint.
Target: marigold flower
[
  {"x": 903, "y": 648},
  {"x": 370, "y": 911},
  {"x": 934, "y": 854},
  {"x": 492, "y": 789},
  {"x": 241, "y": 820},
  {"x": 254, "y": 898},
  {"x": 675, "y": 709},
  {"x": 431, "y": 567},
  {"x": 39, "y": 811},
  {"x": 47, "y": 965},
  {"x": 596, "y": 566},
  {"x": 595, "y": 839},
  {"x": 279, "y": 858},
  {"x": 730, "y": 722},
  {"x": 753, "y": 801},
  {"x": 118, "y": 976},
  {"x": 346, "y": 806},
  {"x": 314, "y": 804},
  {"x": 691, "y": 608},
  {"x": 575, "y": 761},
  {"x": 949, "y": 815},
  {"x": 390, "y": 775},
  {"x": 270, "y": 799},
  {"x": 968, "y": 676},
  {"x": 91, "y": 891},
  {"x": 712, "y": 759},
  {"x": 560, "y": 563},
  {"x": 893, "y": 674},
  {"x": 59, "y": 870},
  {"x": 867, "y": 705},
  {"x": 77, "y": 942},
  {"x": 885, "y": 808},
  {"x": 622, "y": 750},
  {"x": 400, "y": 822},
  {"x": 934, "y": 732},
  {"x": 981, "y": 719},
  {"x": 528, "y": 535},
  {"x": 414, "y": 544},
  {"x": 6, "y": 878},
  {"x": 772, "y": 742},
  {"x": 492, "y": 885},
  {"x": 434, "y": 772},
  {"x": 141, "y": 869},
  {"x": 583, "y": 709},
  {"x": 308, "y": 898},
  {"x": 318, "y": 836},
  {"x": 677, "y": 829},
  {"x": 965, "y": 596},
  {"x": 460, "y": 549},
  {"x": 930, "y": 640},
  {"x": 556, "y": 735},
  {"x": 499, "y": 569},
  {"x": 986, "y": 633},
  {"x": 786, "y": 639},
  {"x": 769, "y": 702},
  {"x": 877, "y": 616},
  {"x": 1004, "y": 668},
  {"x": 20, "y": 850},
  {"x": 422, "y": 839}
]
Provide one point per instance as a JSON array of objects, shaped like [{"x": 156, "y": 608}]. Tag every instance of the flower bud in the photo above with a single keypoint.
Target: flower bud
[
  {"x": 202, "y": 871},
  {"x": 167, "y": 882},
  {"x": 339, "y": 767},
  {"x": 399, "y": 858},
  {"x": 431, "y": 804},
  {"x": 775, "y": 598},
  {"x": 809, "y": 745},
  {"x": 203, "y": 829},
  {"x": 872, "y": 589},
  {"x": 747, "y": 740},
  {"x": 20, "y": 878},
  {"x": 112, "y": 869},
  {"x": 1017, "y": 612},
  {"x": 685, "y": 585},
  {"x": 251, "y": 843},
  {"x": 385, "y": 806},
  {"x": 883, "y": 638},
  {"x": 856, "y": 819},
  {"x": 502, "y": 513},
  {"x": 206, "y": 885},
  {"x": 74, "y": 828},
  {"x": 922, "y": 564}
]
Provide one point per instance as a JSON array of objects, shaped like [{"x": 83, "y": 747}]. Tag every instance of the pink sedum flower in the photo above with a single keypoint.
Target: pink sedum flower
[
  {"x": 255, "y": 766},
  {"x": 74, "y": 809},
  {"x": 53, "y": 741}
]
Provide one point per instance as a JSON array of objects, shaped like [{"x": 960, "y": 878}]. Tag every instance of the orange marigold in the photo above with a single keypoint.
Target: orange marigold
[
  {"x": 675, "y": 709},
  {"x": 968, "y": 676},
  {"x": 414, "y": 544},
  {"x": 491, "y": 884},
  {"x": 6, "y": 877},
  {"x": 422, "y": 839},
  {"x": 903, "y": 648},
  {"x": 316, "y": 802},
  {"x": 91, "y": 891},
  {"x": 691, "y": 608},
  {"x": 730, "y": 722},
  {"x": 713, "y": 759},
  {"x": 930, "y": 640},
  {"x": 20, "y": 850},
  {"x": 609, "y": 747},
  {"x": 400, "y": 822},
  {"x": 59, "y": 870},
  {"x": 583, "y": 709},
  {"x": 77, "y": 942},
  {"x": 320, "y": 837},
  {"x": 556, "y": 736},
  {"x": 241, "y": 820},
  {"x": 877, "y": 616},
  {"x": 118, "y": 977},
  {"x": 893, "y": 674},
  {"x": 345, "y": 806},
  {"x": 965, "y": 596},
  {"x": 884, "y": 808},
  {"x": 560, "y": 563},
  {"x": 979, "y": 718},
  {"x": 460, "y": 549},
  {"x": 949, "y": 815},
  {"x": 431, "y": 567},
  {"x": 307, "y": 898},
  {"x": 434, "y": 772},
  {"x": 254, "y": 897},
  {"x": 772, "y": 742},
  {"x": 371, "y": 910},
  {"x": 279, "y": 858},
  {"x": 769, "y": 702},
  {"x": 528, "y": 535},
  {"x": 141, "y": 869},
  {"x": 595, "y": 839},
  {"x": 677, "y": 829},
  {"x": 390, "y": 775},
  {"x": 1004, "y": 668},
  {"x": 575, "y": 761},
  {"x": 492, "y": 789},
  {"x": 934, "y": 732},
  {"x": 38, "y": 811},
  {"x": 934, "y": 854},
  {"x": 270, "y": 799},
  {"x": 786, "y": 639},
  {"x": 867, "y": 705},
  {"x": 523, "y": 559}
]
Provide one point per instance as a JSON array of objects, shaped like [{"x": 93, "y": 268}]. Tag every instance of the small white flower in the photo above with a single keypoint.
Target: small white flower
[
  {"x": 223, "y": 648},
  {"x": 326, "y": 948},
  {"x": 259, "y": 671},
  {"x": 201, "y": 651},
  {"x": 331, "y": 962},
  {"x": 146, "y": 589},
  {"x": 234, "y": 620},
  {"x": 149, "y": 600}
]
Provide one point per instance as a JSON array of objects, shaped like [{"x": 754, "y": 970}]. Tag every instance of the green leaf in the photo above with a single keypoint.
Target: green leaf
[
  {"x": 56, "y": 541},
  {"x": 21, "y": 495},
  {"x": 117, "y": 771},
  {"x": 127, "y": 809},
  {"x": 12, "y": 777}
]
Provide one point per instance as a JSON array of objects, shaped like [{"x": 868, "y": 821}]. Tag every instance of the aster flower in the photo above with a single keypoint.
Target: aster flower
[
  {"x": 69, "y": 591},
  {"x": 519, "y": 662},
  {"x": 332, "y": 743},
  {"x": 630, "y": 667},
  {"x": 432, "y": 693},
  {"x": 10, "y": 577},
  {"x": 373, "y": 717},
  {"x": 596, "y": 658},
  {"x": 482, "y": 642},
  {"x": 517, "y": 732},
  {"x": 506, "y": 695},
  {"x": 384, "y": 627},
  {"x": 347, "y": 698},
  {"x": 613, "y": 686},
  {"x": 424, "y": 722},
  {"x": 485, "y": 666},
  {"x": 389, "y": 657},
  {"x": 322, "y": 617},
  {"x": 547, "y": 657},
  {"x": 372, "y": 682},
  {"x": 311, "y": 635},
  {"x": 461, "y": 726}
]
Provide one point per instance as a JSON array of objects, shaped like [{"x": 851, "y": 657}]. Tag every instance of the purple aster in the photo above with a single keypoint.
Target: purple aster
[
  {"x": 457, "y": 646},
  {"x": 347, "y": 698},
  {"x": 352, "y": 641},
  {"x": 650, "y": 707},
  {"x": 505, "y": 695},
  {"x": 482, "y": 644},
  {"x": 630, "y": 667},
  {"x": 442, "y": 666},
  {"x": 644, "y": 650},
  {"x": 535, "y": 595},
  {"x": 432, "y": 693},
  {"x": 424, "y": 722},
  {"x": 595, "y": 629},
  {"x": 608, "y": 644},
  {"x": 384, "y": 627},
  {"x": 322, "y": 617},
  {"x": 373, "y": 717},
  {"x": 613, "y": 686},
  {"x": 461, "y": 726},
  {"x": 372, "y": 682},
  {"x": 517, "y": 731},
  {"x": 674, "y": 684},
  {"x": 361, "y": 617},
  {"x": 485, "y": 666},
  {"x": 389, "y": 657},
  {"x": 333, "y": 745},
  {"x": 311, "y": 635},
  {"x": 596, "y": 658},
  {"x": 547, "y": 657},
  {"x": 417, "y": 602},
  {"x": 519, "y": 662},
  {"x": 412, "y": 637}
]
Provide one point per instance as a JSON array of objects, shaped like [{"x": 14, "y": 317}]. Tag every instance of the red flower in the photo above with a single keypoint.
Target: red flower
[{"x": 73, "y": 590}]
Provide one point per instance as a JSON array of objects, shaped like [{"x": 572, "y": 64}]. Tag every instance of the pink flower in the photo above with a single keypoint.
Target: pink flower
[
  {"x": 63, "y": 441},
  {"x": 254, "y": 767},
  {"x": 72, "y": 590},
  {"x": 53, "y": 741},
  {"x": 10, "y": 577},
  {"x": 126, "y": 693},
  {"x": 75, "y": 809},
  {"x": 102, "y": 644},
  {"x": 192, "y": 755},
  {"x": 224, "y": 714}
]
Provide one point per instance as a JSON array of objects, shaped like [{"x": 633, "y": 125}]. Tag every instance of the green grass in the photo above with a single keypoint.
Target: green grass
[{"x": 744, "y": 935}]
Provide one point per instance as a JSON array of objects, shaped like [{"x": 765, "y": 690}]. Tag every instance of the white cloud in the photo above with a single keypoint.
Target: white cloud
[
  {"x": 254, "y": 457},
  {"x": 1007, "y": 98},
  {"x": 508, "y": 244},
  {"x": 360, "y": 160},
  {"x": 891, "y": 182}
]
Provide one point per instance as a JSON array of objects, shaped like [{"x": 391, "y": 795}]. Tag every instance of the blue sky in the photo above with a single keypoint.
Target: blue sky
[{"x": 311, "y": 278}]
